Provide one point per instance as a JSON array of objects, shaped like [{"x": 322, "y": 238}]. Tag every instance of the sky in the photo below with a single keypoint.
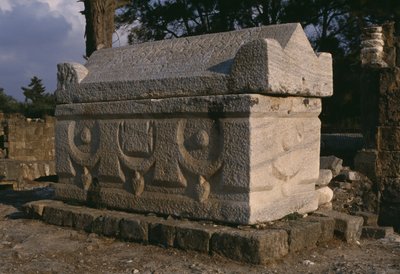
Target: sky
[{"x": 36, "y": 35}]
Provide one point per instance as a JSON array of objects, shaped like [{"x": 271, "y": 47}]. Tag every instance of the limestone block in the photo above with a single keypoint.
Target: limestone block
[
  {"x": 325, "y": 195},
  {"x": 347, "y": 226},
  {"x": 331, "y": 162},
  {"x": 301, "y": 234},
  {"x": 274, "y": 60},
  {"x": 325, "y": 176},
  {"x": 327, "y": 227},
  {"x": 256, "y": 247},
  {"x": 377, "y": 232},
  {"x": 233, "y": 158}
]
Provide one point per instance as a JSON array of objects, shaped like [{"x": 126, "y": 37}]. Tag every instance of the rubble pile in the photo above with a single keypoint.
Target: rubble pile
[{"x": 351, "y": 191}]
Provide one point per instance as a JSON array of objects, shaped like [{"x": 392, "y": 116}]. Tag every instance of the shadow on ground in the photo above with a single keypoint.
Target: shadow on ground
[{"x": 18, "y": 198}]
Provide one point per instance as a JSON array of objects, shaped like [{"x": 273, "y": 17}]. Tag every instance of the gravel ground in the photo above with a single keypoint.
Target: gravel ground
[{"x": 30, "y": 246}]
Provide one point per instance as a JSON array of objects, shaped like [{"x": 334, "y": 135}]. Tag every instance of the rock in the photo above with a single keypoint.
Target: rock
[
  {"x": 376, "y": 232},
  {"x": 346, "y": 226},
  {"x": 256, "y": 247},
  {"x": 370, "y": 219},
  {"x": 327, "y": 227},
  {"x": 350, "y": 175},
  {"x": 332, "y": 163},
  {"x": 325, "y": 176},
  {"x": 302, "y": 235},
  {"x": 325, "y": 195},
  {"x": 327, "y": 206},
  {"x": 191, "y": 236}
]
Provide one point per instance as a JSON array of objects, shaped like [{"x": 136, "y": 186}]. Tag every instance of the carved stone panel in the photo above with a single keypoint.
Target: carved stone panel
[{"x": 235, "y": 158}]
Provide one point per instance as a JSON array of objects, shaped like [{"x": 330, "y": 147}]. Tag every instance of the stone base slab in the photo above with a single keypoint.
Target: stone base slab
[
  {"x": 244, "y": 243},
  {"x": 376, "y": 232},
  {"x": 347, "y": 227}
]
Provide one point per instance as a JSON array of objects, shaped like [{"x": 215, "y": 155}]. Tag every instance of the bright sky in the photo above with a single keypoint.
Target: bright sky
[{"x": 36, "y": 35}]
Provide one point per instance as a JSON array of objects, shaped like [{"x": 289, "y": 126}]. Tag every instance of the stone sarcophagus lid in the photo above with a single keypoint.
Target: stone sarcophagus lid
[{"x": 222, "y": 126}]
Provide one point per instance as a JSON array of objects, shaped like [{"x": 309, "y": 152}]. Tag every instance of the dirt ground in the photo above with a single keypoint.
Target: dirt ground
[{"x": 30, "y": 246}]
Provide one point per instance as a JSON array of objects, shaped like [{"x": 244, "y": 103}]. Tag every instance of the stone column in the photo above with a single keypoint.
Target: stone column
[{"x": 380, "y": 83}]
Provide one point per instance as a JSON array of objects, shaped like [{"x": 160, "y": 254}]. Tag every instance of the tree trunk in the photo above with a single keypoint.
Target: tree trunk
[{"x": 99, "y": 15}]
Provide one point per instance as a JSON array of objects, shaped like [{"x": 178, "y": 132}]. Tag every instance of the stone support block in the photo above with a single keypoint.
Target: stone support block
[
  {"x": 162, "y": 233},
  {"x": 376, "y": 232},
  {"x": 370, "y": 219},
  {"x": 301, "y": 235},
  {"x": 346, "y": 226},
  {"x": 256, "y": 247},
  {"x": 192, "y": 236},
  {"x": 134, "y": 229},
  {"x": 327, "y": 227}
]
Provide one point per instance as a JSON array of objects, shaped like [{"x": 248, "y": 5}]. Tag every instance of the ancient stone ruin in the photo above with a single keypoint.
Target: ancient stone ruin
[
  {"x": 26, "y": 147},
  {"x": 222, "y": 126},
  {"x": 380, "y": 82}
]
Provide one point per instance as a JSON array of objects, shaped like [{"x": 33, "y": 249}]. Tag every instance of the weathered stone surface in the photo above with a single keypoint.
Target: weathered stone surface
[
  {"x": 27, "y": 139},
  {"x": 325, "y": 176},
  {"x": 325, "y": 195},
  {"x": 346, "y": 226},
  {"x": 388, "y": 164},
  {"x": 271, "y": 60},
  {"x": 192, "y": 236},
  {"x": 327, "y": 227},
  {"x": 302, "y": 235},
  {"x": 332, "y": 163},
  {"x": 16, "y": 170},
  {"x": 366, "y": 163},
  {"x": 134, "y": 229},
  {"x": 389, "y": 138},
  {"x": 370, "y": 219},
  {"x": 162, "y": 233},
  {"x": 257, "y": 247},
  {"x": 229, "y": 162},
  {"x": 376, "y": 232}
]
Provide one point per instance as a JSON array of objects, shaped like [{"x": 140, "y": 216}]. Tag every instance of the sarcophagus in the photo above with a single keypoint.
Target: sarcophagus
[{"x": 222, "y": 126}]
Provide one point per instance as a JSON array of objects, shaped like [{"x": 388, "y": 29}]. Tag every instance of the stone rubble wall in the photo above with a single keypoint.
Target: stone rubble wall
[
  {"x": 28, "y": 139},
  {"x": 380, "y": 83},
  {"x": 27, "y": 149}
]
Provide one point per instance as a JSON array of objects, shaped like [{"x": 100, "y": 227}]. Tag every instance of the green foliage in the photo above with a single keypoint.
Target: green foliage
[
  {"x": 8, "y": 104},
  {"x": 38, "y": 103}
]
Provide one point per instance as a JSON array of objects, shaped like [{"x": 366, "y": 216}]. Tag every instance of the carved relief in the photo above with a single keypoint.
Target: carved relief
[{"x": 140, "y": 153}]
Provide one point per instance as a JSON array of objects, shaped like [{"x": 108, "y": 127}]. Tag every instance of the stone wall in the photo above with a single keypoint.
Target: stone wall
[
  {"x": 380, "y": 83},
  {"x": 26, "y": 147},
  {"x": 27, "y": 139}
]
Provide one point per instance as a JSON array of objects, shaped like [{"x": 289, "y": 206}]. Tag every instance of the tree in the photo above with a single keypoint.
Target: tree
[
  {"x": 38, "y": 103},
  {"x": 99, "y": 15},
  {"x": 8, "y": 104}
]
